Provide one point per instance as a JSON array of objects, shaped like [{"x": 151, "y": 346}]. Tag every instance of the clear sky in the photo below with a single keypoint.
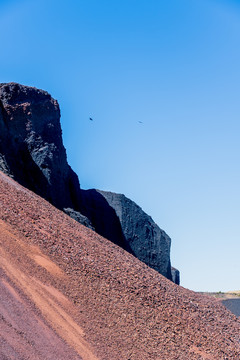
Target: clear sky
[{"x": 161, "y": 80}]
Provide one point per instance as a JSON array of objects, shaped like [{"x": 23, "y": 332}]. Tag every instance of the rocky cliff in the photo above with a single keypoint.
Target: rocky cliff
[
  {"x": 32, "y": 152},
  {"x": 133, "y": 229},
  {"x": 31, "y": 148}
]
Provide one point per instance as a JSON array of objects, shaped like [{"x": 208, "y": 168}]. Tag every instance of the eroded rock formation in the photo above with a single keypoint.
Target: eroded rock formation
[
  {"x": 32, "y": 152},
  {"x": 31, "y": 146},
  {"x": 131, "y": 227}
]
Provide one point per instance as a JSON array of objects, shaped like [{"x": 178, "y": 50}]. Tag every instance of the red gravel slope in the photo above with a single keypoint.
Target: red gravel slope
[{"x": 67, "y": 293}]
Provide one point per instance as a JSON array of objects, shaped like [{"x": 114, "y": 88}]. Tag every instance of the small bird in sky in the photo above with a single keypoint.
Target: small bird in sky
[
  {"x": 140, "y": 122},
  {"x": 90, "y": 119}
]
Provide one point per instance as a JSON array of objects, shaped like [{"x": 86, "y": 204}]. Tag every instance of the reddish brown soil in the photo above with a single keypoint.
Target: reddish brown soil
[{"x": 67, "y": 293}]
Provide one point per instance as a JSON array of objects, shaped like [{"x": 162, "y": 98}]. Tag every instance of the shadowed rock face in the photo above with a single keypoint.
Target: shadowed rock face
[
  {"x": 32, "y": 152},
  {"x": 31, "y": 145},
  {"x": 131, "y": 228},
  {"x": 175, "y": 275}
]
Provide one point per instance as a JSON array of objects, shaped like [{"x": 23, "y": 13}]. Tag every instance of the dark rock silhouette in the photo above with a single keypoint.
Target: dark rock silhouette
[
  {"x": 76, "y": 215},
  {"x": 175, "y": 275},
  {"x": 32, "y": 152},
  {"x": 31, "y": 145},
  {"x": 139, "y": 234}
]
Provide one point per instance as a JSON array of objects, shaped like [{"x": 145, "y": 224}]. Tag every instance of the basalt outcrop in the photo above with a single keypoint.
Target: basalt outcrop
[
  {"x": 133, "y": 229},
  {"x": 31, "y": 147},
  {"x": 32, "y": 152}
]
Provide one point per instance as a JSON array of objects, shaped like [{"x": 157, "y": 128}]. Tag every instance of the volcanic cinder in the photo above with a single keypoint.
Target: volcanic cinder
[{"x": 68, "y": 293}]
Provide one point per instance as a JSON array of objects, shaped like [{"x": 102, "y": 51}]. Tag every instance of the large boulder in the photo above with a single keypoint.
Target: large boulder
[
  {"x": 120, "y": 219},
  {"x": 32, "y": 152}
]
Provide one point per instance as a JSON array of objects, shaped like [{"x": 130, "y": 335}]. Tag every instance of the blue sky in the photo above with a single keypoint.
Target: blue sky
[{"x": 172, "y": 65}]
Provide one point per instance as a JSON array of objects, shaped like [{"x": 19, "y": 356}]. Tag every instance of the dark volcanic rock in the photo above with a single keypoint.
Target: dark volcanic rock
[
  {"x": 175, "y": 276},
  {"x": 104, "y": 218},
  {"x": 31, "y": 145},
  {"x": 130, "y": 227},
  {"x": 76, "y": 215},
  {"x": 32, "y": 152}
]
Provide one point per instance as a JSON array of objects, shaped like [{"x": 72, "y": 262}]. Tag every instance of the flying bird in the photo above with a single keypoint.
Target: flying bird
[
  {"x": 90, "y": 119},
  {"x": 140, "y": 122}
]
